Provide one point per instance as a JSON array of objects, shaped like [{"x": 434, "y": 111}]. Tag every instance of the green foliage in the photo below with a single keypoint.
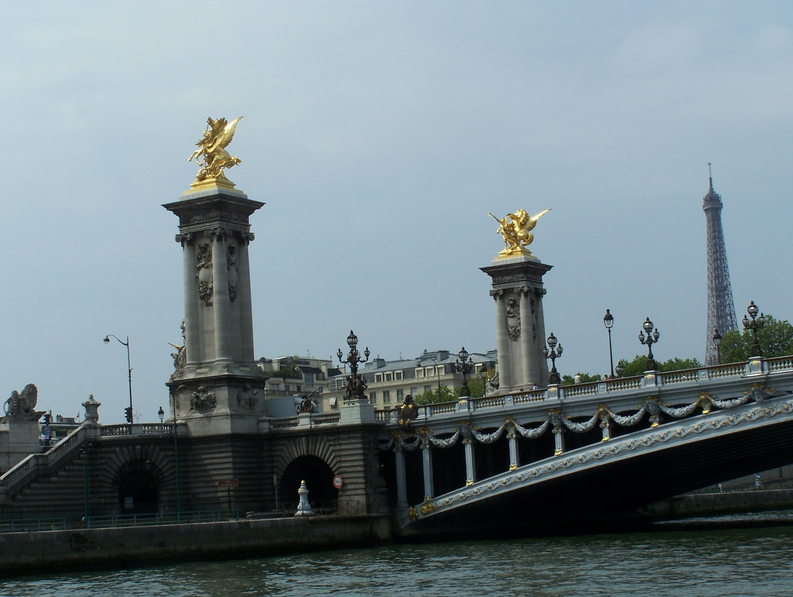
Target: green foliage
[
  {"x": 476, "y": 385},
  {"x": 290, "y": 372},
  {"x": 775, "y": 338},
  {"x": 569, "y": 380},
  {"x": 431, "y": 397},
  {"x": 638, "y": 365}
]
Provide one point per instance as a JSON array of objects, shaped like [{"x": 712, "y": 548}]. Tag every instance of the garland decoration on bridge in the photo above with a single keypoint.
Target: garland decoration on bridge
[{"x": 424, "y": 437}]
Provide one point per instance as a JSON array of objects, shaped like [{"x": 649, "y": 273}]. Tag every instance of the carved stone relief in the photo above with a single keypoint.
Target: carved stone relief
[
  {"x": 248, "y": 397},
  {"x": 513, "y": 319},
  {"x": 231, "y": 264},
  {"x": 203, "y": 401},
  {"x": 204, "y": 272}
]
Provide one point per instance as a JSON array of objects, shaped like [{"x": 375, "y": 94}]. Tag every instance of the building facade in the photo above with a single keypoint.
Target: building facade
[{"x": 390, "y": 381}]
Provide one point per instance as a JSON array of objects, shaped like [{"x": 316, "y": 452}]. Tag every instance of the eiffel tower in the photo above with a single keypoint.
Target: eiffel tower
[{"x": 721, "y": 308}]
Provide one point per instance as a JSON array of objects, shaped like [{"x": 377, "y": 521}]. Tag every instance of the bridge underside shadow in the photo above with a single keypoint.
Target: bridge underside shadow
[{"x": 607, "y": 494}]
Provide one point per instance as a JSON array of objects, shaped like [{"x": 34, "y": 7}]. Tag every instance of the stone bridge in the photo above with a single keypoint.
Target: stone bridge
[
  {"x": 573, "y": 454},
  {"x": 589, "y": 452}
]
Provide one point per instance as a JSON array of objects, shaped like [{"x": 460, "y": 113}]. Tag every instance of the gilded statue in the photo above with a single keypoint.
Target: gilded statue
[
  {"x": 516, "y": 229},
  {"x": 211, "y": 154}
]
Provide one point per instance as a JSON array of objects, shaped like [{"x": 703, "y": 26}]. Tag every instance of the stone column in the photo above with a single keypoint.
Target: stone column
[
  {"x": 541, "y": 336},
  {"x": 220, "y": 297},
  {"x": 529, "y": 373},
  {"x": 191, "y": 299},
  {"x": 429, "y": 490},
  {"x": 513, "y": 450},
  {"x": 401, "y": 478},
  {"x": 502, "y": 341},
  {"x": 470, "y": 469},
  {"x": 244, "y": 298}
]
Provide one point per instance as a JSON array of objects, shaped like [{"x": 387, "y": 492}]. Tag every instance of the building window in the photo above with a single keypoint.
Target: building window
[
  {"x": 429, "y": 371},
  {"x": 309, "y": 379},
  {"x": 378, "y": 378},
  {"x": 428, "y": 388},
  {"x": 400, "y": 395},
  {"x": 398, "y": 375},
  {"x": 419, "y": 372},
  {"x": 388, "y": 377},
  {"x": 386, "y": 397},
  {"x": 414, "y": 391}
]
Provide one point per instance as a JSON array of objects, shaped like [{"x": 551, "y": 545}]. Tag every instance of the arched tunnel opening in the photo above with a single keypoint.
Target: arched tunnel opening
[{"x": 318, "y": 477}]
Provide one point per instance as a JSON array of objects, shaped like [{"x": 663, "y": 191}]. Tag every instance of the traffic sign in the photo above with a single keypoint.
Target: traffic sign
[
  {"x": 228, "y": 483},
  {"x": 337, "y": 481}
]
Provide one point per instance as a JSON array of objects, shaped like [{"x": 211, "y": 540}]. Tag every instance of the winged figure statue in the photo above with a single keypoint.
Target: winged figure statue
[
  {"x": 211, "y": 154},
  {"x": 516, "y": 229}
]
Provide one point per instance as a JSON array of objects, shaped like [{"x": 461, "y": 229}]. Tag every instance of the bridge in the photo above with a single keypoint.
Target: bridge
[
  {"x": 589, "y": 452},
  {"x": 559, "y": 455}
]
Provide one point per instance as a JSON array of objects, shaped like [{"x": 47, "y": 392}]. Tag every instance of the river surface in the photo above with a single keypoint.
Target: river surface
[{"x": 757, "y": 561}]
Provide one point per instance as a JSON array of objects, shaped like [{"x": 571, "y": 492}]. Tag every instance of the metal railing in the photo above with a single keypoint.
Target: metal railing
[
  {"x": 28, "y": 525},
  {"x": 137, "y": 520}
]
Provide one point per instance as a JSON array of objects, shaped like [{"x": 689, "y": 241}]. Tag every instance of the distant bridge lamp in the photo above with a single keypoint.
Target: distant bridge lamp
[
  {"x": 754, "y": 325},
  {"x": 464, "y": 365},
  {"x": 127, "y": 411},
  {"x": 553, "y": 352},
  {"x": 355, "y": 383},
  {"x": 608, "y": 321},
  {"x": 717, "y": 344},
  {"x": 652, "y": 338}
]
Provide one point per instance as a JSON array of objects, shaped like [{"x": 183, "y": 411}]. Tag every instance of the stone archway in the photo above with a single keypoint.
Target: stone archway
[
  {"x": 138, "y": 488},
  {"x": 318, "y": 477}
]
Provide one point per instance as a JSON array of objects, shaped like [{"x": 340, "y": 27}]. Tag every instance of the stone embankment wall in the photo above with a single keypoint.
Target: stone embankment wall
[
  {"x": 25, "y": 553},
  {"x": 713, "y": 504}
]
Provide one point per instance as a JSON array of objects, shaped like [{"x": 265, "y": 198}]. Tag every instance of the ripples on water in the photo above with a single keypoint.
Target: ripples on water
[{"x": 706, "y": 563}]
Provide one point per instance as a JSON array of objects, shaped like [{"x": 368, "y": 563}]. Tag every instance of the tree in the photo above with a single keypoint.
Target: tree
[
  {"x": 775, "y": 338},
  {"x": 638, "y": 365},
  {"x": 568, "y": 380},
  {"x": 433, "y": 396}
]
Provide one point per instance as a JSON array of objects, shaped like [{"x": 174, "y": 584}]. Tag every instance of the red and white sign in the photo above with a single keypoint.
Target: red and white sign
[
  {"x": 338, "y": 481},
  {"x": 228, "y": 483}
]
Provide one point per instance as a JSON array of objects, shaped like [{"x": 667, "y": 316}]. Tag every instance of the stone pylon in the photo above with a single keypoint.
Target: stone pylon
[
  {"x": 520, "y": 323},
  {"x": 217, "y": 386}
]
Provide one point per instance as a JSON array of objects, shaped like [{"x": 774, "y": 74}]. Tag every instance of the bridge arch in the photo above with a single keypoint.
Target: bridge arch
[
  {"x": 138, "y": 483},
  {"x": 317, "y": 475}
]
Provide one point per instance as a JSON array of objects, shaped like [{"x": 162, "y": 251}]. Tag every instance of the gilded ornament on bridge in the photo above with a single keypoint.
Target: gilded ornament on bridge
[
  {"x": 212, "y": 156},
  {"x": 516, "y": 229}
]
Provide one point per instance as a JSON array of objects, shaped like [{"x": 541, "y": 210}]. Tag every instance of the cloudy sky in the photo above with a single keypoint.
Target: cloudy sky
[{"x": 380, "y": 135}]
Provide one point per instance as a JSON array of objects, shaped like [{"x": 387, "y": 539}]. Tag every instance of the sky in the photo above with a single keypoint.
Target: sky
[{"x": 380, "y": 135}]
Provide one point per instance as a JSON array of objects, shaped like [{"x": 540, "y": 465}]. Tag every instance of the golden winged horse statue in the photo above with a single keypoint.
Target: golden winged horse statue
[{"x": 211, "y": 154}]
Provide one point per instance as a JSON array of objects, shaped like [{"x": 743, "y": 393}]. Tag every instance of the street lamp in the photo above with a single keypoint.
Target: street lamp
[
  {"x": 127, "y": 411},
  {"x": 754, "y": 325},
  {"x": 426, "y": 357},
  {"x": 608, "y": 321},
  {"x": 355, "y": 383},
  {"x": 161, "y": 414},
  {"x": 620, "y": 369},
  {"x": 717, "y": 343},
  {"x": 554, "y": 353},
  {"x": 464, "y": 365},
  {"x": 652, "y": 338}
]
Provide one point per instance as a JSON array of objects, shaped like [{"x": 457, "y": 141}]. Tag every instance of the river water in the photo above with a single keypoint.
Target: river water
[{"x": 756, "y": 561}]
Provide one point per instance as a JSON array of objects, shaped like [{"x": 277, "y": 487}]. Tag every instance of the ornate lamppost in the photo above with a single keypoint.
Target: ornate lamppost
[
  {"x": 553, "y": 352},
  {"x": 717, "y": 344},
  {"x": 464, "y": 365},
  {"x": 754, "y": 325},
  {"x": 355, "y": 384},
  {"x": 620, "y": 369},
  {"x": 127, "y": 411},
  {"x": 652, "y": 338},
  {"x": 608, "y": 321}
]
